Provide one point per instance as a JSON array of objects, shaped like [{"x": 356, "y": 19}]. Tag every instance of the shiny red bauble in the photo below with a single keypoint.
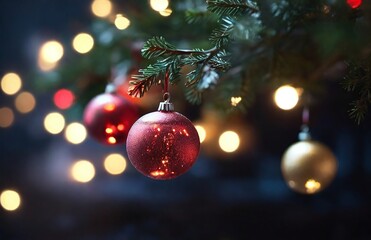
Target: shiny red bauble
[
  {"x": 163, "y": 145},
  {"x": 109, "y": 117}
]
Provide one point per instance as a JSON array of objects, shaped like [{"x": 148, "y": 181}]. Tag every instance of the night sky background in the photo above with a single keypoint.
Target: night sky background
[{"x": 242, "y": 196}]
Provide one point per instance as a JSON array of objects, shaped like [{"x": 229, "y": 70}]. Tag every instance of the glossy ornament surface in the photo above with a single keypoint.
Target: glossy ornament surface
[
  {"x": 163, "y": 145},
  {"x": 109, "y": 117},
  {"x": 308, "y": 166}
]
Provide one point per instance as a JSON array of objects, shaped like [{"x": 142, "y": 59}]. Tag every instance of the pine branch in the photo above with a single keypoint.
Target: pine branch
[
  {"x": 220, "y": 36},
  {"x": 359, "y": 79},
  {"x": 231, "y": 7},
  {"x": 194, "y": 16},
  {"x": 175, "y": 58}
]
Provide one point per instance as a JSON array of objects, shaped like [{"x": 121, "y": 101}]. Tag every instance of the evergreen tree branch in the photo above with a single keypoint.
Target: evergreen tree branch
[{"x": 231, "y": 7}]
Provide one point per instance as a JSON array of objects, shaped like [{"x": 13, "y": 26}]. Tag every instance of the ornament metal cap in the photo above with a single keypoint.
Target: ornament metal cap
[
  {"x": 110, "y": 88},
  {"x": 304, "y": 135},
  {"x": 166, "y": 106}
]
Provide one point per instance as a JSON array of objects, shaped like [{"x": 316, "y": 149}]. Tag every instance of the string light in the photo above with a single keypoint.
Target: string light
[
  {"x": 11, "y": 83},
  {"x": 286, "y": 97},
  {"x": 6, "y": 117},
  {"x": 121, "y": 22},
  {"x": 25, "y": 102},
  {"x": 83, "y": 43},
  {"x": 101, "y": 8},
  {"x": 159, "y": 5},
  {"x": 10, "y": 200},
  {"x": 75, "y": 133},
  {"x": 229, "y": 141},
  {"x": 115, "y": 164},
  {"x": 54, "y": 123},
  {"x": 82, "y": 171}
]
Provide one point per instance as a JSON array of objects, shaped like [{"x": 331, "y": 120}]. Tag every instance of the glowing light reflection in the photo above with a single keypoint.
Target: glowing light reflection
[
  {"x": 312, "y": 186},
  {"x": 157, "y": 173}
]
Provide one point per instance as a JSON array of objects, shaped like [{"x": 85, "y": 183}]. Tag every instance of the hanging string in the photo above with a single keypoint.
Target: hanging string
[
  {"x": 305, "y": 134},
  {"x": 305, "y": 116},
  {"x": 166, "y": 86}
]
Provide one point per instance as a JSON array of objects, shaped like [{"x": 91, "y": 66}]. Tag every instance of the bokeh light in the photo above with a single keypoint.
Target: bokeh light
[
  {"x": 46, "y": 66},
  {"x": 51, "y": 52},
  {"x": 286, "y": 97},
  {"x": 229, "y": 141},
  {"x": 165, "y": 13},
  {"x": 354, "y": 3},
  {"x": 115, "y": 164},
  {"x": 10, "y": 200},
  {"x": 121, "y": 22},
  {"x": 201, "y": 133},
  {"x": 54, "y": 123},
  {"x": 82, "y": 171},
  {"x": 159, "y": 5},
  {"x": 6, "y": 117},
  {"x": 235, "y": 101},
  {"x": 63, "y": 99},
  {"x": 75, "y": 133},
  {"x": 83, "y": 43},
  {"x": 101, "y": 8},
  {"x": 11, "y": 83},
  {"x": 25, "y": 102}
]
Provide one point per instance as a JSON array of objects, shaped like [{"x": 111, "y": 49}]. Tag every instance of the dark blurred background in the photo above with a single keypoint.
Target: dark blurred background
[{"x": 224, "y": 196}]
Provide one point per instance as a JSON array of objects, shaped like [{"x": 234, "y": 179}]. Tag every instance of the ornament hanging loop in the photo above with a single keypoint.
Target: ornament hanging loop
[{"x": 166, "y": 105}]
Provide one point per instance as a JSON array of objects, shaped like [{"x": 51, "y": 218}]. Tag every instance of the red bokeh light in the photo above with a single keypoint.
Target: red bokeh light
[
  {"x": 63, "y": 99},
  {"x": 354, "y": 3}
]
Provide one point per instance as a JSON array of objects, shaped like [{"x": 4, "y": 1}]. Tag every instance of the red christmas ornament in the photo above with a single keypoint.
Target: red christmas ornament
[
  {"x": 164, "y": 144},
  {"x": 354, "y": 3},
  {"x": 108, "y": 118}
]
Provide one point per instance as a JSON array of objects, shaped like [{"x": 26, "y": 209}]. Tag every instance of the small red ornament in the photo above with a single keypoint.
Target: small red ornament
[
  {"x": 354, "y": 3},
  {"x": 108, "y": 118},
  {"x": 164, "y": 144}
]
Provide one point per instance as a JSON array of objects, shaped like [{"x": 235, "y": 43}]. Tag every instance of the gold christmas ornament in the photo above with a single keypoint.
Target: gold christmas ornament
[{"x": 308, "y": 166}]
